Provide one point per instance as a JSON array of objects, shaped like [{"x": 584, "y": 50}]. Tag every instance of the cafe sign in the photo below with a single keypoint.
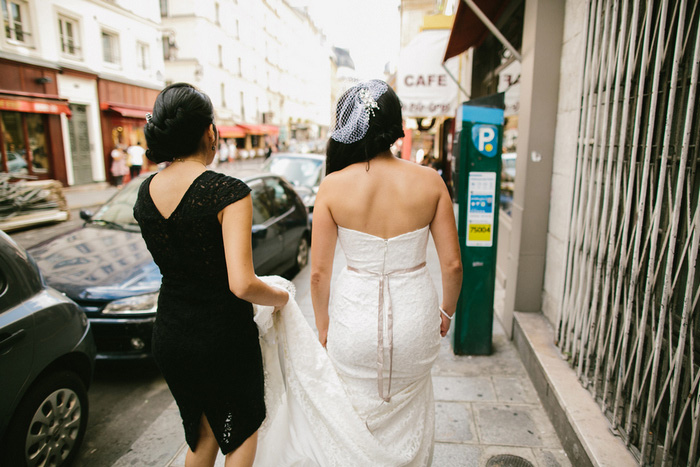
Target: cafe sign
[{"x": 423, "y": 85}]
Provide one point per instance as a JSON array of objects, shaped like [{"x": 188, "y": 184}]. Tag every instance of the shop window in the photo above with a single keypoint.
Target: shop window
[
  {"x": 68, "y": 36},
  {"x": 15, "y": 141},
  {"x": 16, "y": 18},
  {"x": 142, "y": 55},
  {"x": 110, "y": 47},
  {"x": 169, "y": 46}
]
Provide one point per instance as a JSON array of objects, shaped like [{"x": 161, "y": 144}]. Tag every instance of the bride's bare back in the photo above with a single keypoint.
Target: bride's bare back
[{"x": 393, "y": 197}]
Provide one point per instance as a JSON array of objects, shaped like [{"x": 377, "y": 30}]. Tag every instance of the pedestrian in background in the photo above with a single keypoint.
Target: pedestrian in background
[
  {"x": 118, "y": 167},
  {"x": 232, "y": 155},
  {"x": 197, "y": 225},
  {"x": 223, "y": 151},
  {"x": 135, "y": 159}
]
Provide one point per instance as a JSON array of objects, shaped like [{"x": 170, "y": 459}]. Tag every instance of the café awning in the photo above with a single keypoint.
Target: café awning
[
  {"x": 39, "y": 105},
  {"x": 129, "y": 112},
  {"x": 473, "y": 22},
  {"x": 234, "y": 131},
  {"x": 261, "y": 129}
]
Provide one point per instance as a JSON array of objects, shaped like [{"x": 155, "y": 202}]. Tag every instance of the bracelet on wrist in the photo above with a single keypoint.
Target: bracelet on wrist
[{"x": 445, "y": 313}]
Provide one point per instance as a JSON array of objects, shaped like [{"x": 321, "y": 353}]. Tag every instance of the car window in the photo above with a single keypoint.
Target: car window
[
  {"x": 299, "y": 171},
  {"x": 282, "y": 199},
  {"x": 120, "y": 208},
  {"x": 262, "y": 205}
]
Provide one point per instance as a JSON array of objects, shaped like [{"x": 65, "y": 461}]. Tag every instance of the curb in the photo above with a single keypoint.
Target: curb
[{"x": 583, "y": 429}]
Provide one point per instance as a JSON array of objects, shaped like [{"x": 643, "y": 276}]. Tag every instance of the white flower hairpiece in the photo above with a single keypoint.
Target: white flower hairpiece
[
  {"x": 354, "y": 110},
  {"x": 368, "y": 101}
]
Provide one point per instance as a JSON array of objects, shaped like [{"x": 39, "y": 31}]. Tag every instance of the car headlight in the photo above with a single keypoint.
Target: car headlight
[{"x": 137, "y": 304}]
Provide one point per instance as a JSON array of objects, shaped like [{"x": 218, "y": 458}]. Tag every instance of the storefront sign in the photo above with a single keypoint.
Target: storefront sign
[
  {"x": 18, "y": 105},
  {"x": 424, "y": 87}
]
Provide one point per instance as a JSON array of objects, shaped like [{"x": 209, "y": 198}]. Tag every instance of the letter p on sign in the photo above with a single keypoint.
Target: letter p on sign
[{"x": 484, "y": 139}]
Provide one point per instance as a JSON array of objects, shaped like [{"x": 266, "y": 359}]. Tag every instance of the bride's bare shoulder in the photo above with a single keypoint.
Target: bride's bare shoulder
[{"x": 426, "y": 175}]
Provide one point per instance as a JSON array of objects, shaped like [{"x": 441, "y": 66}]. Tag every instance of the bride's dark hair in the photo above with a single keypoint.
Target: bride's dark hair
[
  {"x": 385, "y": 127},
  {"x": 181, "y": 114}
]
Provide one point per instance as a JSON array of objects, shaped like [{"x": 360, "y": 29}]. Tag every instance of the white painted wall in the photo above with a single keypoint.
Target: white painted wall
[
  {"x": 564, "y": 162},
  {"x": 132, "y": 21}
]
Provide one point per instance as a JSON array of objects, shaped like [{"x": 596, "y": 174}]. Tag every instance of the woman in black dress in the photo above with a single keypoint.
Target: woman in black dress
[{"x": 197, "y": 225}]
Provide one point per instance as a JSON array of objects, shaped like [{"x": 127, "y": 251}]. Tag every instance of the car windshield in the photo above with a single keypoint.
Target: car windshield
[
  {"x": 119, "y": 209},
  {"x": 299, "y": 171}
]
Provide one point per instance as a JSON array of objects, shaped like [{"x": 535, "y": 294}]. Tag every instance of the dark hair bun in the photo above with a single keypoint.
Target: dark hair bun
[
  {"x": 384, "y": 140},
  {"x": 181, "y": 114}
]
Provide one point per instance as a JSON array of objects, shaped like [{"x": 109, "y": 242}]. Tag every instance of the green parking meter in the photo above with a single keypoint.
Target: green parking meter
[{"x": 478, "y": 136}]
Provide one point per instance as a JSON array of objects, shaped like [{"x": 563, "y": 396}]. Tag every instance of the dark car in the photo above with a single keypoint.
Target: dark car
[
  {"x": 304, "y": 171},
  {"x": 106, "y": 268},
  {"x": 47, "y": 356}
]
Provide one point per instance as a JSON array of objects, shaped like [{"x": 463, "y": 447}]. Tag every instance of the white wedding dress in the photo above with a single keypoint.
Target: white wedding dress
[{"x": 368, "y": 398}]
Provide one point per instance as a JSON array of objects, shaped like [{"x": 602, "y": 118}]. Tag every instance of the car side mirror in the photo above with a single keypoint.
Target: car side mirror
[
  {"x": 259, "y": 231},
  {"x": 86, "y": 215}
]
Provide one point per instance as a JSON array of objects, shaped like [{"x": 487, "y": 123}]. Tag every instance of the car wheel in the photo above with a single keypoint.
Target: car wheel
[
  {"x": 302, "y": 258},
  {"x": 49, "y": 424}
]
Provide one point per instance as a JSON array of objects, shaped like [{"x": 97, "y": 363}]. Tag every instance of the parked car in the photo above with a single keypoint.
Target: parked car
[
  {"x": 47, "y": 356},
  {"x": 16, "y": 162},
  {"x": 304, "y": 171},
  {"x": 105, "y": 267}
]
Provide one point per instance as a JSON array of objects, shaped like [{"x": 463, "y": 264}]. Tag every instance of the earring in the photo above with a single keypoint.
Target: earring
[{"x": 213, "y": 147}]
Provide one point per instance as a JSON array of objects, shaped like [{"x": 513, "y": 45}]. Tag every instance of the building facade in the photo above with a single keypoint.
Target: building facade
[
  {"x": 265, "y": 65},
  {"x": 598, "y": 256},
  {"x": 76, "y": 78}
]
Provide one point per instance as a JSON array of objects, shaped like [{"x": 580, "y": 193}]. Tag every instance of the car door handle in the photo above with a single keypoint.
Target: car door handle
[{"x": 7, "y": 343}]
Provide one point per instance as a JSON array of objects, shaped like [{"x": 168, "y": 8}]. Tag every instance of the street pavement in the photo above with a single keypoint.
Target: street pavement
[{"x": 486, "y": 406}]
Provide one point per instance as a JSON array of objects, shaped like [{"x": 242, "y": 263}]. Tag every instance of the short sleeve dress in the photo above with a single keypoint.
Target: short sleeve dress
[{"x": 205, "y": 341}]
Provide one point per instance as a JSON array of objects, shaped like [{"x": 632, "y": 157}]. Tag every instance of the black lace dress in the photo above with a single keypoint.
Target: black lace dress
[{"x": 204, "y": 339}]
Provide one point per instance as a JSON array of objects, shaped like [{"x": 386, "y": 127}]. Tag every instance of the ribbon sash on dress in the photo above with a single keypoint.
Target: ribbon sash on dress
[{"x": 381, "y": 348}]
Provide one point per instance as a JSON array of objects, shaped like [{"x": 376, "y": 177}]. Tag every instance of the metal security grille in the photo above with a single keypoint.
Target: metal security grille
[{"x": 628, "y": 320}]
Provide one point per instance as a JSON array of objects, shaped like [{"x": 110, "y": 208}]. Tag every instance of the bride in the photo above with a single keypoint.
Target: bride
[{"x": 367, "y": 398}]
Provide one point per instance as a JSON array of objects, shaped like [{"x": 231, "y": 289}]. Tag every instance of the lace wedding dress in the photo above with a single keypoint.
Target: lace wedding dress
[{"x": 368, "y": 399}]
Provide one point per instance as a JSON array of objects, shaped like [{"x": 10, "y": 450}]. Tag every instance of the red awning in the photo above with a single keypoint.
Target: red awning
[
  {"x": 129, "y": 112},
  {"x": 231, "y": 131},
  {"x": 468, "y": 30},
  {"x": 260, "y": 129},
  {"x": 35, "y": 105}
]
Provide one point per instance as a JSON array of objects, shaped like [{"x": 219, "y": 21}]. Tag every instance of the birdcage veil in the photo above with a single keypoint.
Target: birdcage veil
[{"x": 354, "y": 110}]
